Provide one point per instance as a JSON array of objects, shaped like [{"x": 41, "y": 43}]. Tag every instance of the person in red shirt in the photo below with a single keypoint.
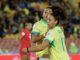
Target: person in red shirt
[{"x": 25, "y": 40}]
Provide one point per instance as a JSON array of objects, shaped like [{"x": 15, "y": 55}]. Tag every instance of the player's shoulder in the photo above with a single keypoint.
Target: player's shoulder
[
  {"x": 55, "y": 28},
  {"x": 26, "y": 31},
  {"x": 38, "y": 23},
  {"x": 22, "y": 33},
  {"x": 49, "y": 33},
  {"x": 50, "y": 30}
]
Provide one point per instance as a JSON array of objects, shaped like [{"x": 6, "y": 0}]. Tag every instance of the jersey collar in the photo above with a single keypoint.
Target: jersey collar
[
  {"x": 43, "y": 21},
  {"x": 55, "y": 26}
]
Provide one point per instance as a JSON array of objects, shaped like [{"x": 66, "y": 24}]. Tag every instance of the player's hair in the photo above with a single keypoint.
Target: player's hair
[
  {"x": 28, "y": 22},
  {"x": 59, "y": 13}
]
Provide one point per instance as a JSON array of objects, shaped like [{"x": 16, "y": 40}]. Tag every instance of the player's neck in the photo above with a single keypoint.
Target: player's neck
[
  {"x": 27, "y": 30},
  {"x": 45, "y": 20}
]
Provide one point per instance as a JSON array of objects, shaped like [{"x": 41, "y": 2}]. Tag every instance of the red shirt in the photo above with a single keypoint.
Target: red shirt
[{"x": 25, "y": 40}]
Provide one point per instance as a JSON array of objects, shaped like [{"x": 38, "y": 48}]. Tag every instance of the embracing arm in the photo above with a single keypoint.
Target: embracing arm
[
  {"x": 36, "y": 38},
  {"x": 37, "y": 48}
]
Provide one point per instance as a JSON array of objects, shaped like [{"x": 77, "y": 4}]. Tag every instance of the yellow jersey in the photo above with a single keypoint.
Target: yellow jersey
[
  {"x": 40, "y": 28},
  {"x": 57, "y": 48}
]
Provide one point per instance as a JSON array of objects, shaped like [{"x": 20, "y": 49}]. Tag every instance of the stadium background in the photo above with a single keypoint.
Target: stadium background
[{"x": 14, "y": 13}]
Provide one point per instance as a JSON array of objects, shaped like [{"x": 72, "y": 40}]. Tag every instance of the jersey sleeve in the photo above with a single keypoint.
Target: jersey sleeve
[
  {"x": 36, "y": 29},
  {"x": 22, "y": 33},
  {"x": 49, "y": 37}
]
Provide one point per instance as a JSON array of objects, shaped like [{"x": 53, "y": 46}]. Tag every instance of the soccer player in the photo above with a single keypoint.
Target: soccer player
[
  {"x": 39, "y": 30},
  {"x": 55, "y": 39},
  {"x": 25, "y": 40}
]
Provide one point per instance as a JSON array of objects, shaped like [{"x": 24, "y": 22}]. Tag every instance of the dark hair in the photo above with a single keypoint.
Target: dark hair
[
  {"x": 28, "y": 22},
  {"x": 59, "y": 13}
]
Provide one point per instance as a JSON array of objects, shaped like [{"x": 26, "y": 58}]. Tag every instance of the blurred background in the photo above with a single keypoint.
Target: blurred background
[{"x": 14, "y": 13}]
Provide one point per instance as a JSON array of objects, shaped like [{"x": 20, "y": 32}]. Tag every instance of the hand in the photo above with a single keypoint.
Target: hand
[
  {"x": 24, "y": 50},
  {"x": 46, "y": 33},
  {"x": 42, "y": 36}
]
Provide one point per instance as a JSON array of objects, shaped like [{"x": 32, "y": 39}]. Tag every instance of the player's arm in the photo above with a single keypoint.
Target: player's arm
[
  {"x": 20, "y": 36},
  {"x": 37, "y": 48},
  {"x": 18, "y": 39},
  {"x": 47, "y": 41},
  {"x": 36, "y": 33},
  {"x": 36, "y": 38}
]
